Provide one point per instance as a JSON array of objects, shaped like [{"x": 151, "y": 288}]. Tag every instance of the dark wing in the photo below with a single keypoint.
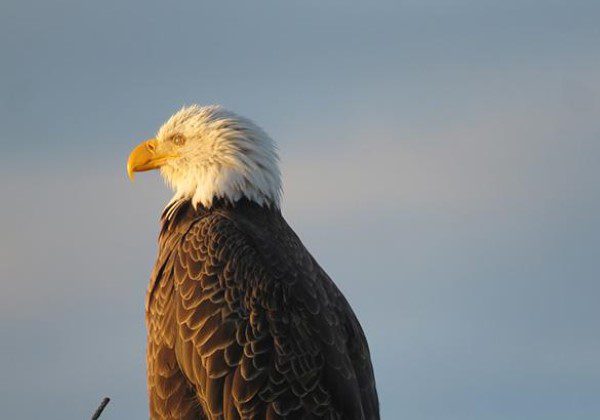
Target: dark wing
[
  {"x": 170, "y": 394},
  {"x": 261, "y": 331}
]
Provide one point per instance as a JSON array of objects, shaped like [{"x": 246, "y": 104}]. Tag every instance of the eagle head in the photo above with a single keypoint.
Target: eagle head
[{"x": 208, "y": 153}]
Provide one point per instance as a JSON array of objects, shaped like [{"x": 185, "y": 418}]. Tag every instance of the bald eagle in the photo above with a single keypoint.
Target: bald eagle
[{"x": 242, "y": 321}]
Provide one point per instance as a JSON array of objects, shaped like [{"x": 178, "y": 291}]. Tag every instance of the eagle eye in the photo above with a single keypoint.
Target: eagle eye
[{"x": 178, "y": 139}]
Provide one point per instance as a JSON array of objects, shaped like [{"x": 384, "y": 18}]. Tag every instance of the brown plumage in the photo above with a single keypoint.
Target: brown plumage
[{"x": 243, "y": 323}]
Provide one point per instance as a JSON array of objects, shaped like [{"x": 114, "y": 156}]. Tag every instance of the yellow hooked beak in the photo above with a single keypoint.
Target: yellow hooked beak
[{"x": 145, "y": 158}]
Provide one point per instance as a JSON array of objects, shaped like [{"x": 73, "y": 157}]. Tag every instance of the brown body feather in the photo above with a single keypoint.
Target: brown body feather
[{"x": 243, "y": 323}]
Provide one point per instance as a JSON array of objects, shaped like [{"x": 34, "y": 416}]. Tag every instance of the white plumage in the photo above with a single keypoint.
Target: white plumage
[{"x": 221, "y": 155}]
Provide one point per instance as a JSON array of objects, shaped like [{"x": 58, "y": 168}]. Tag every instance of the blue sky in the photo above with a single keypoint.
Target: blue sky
[{"x": 440, "y": 159}]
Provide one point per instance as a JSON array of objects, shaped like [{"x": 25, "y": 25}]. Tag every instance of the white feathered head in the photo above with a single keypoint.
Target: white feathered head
[{"x": 207, "y": 153}]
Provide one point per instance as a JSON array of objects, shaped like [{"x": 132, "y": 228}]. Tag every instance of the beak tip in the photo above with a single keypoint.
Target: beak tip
[
  {"x": 130, "y": 173},
  {"x": 143, "y": 158}
]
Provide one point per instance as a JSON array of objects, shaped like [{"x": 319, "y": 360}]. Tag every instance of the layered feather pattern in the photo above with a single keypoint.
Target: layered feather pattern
[{"x": 244, "y": 324}]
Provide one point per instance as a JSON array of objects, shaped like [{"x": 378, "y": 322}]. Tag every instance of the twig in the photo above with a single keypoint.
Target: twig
[{"x": 101, "y": 408}]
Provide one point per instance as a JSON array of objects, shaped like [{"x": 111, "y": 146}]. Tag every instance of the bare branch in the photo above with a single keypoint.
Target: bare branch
[{"x": 101, "y": 408}]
